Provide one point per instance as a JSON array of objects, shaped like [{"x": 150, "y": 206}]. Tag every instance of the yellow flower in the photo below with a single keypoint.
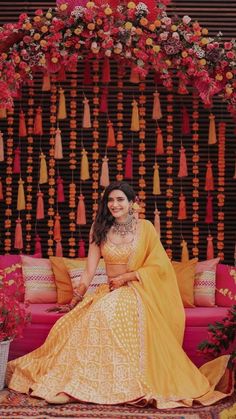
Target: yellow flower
[
  {"x": 77, "y": 31},
  {"x": 128, "y": 25},
  {"x": 49, "y": 15},
  {"x": 44, "y": 29},
  {"x": 156, "y": 48},
  {"x": 229, "y": 75},
  {"x": 168, "y": 62},
  {"x": 54, "y": 60},
  {"x": 4, "y": 56},
  {"x": 63, "y": 7},
  {"x": 91, "y": 26},
  {"x": 37, "y": 36},
  {"x": 229, "y": 90},
  {"x": 157, "y": 23},
  {"x": 204, "y": 31},
  {"x": 27, "y": 26},
  {"x": 149, "y": 41},
  {"x": 174, "y": 28},
  {"x": 143, "y": 21},
  {"x": 219, "y": 77},
  {"x": 43, "y": 43},
  {"x": 131, "y": 5},
  {"x": 108, "y": 11},
  {"x": 202, "y": 61},
  {"x": 204, "y": 41},
  {"x": 90, "y": 4},
  {"x": 152, "y": 27},
  {"x": 37, "y": 18}
]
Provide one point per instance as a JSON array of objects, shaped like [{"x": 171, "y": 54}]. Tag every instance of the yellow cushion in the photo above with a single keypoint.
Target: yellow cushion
[
  {"x": 62, "y": 280},
  {"x": 185, "y": 272}
]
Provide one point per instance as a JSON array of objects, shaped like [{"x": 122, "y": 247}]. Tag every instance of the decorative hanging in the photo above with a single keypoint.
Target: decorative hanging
[
  {"x": 84, "y": 172},
  {"x": 86, "y": 116},
  {"x": 221, "y": 190},
  {"x": 29, "y": 169},
  {"x": 142, "y": 148},
  {"x": 104, "y": 178},
  {"x": 60, "y": 190},
  {"x": 185, "y": 125},
  {"x": 157, "y": 223},
  {"x": 87, "y": 79},
  {"x": 18, "y": 243},
  {"x": 159, "y": 150},
  {"x": 43, "y": 173},
  {"x": 40, "y": 206},
  {"x": 212, "y": 130},
  {"x": 209, "y": 209},
  {"x": 135, "y": 117},
  {"x": 184, "y": 252},
  {"x": 134, "y": 75},
  {"x": 104, "y": 100},
  {"x": 169, "y": 177},
  {"x": 81, "y": 213},
  {"x": 81, "y": 249},
  {"x": 17, "y": 162},
  {"x": 38, "y": 246},
  {"x": 38, "y": 123},
  {"x": 58, "y": 153},
  {"x": 182, "y": 214},
  {"x": 20, "y": 196},
  {"x": 22, "y": 125},
  {"x": 61, "y": 114},
  {"x": 1, "y": 147},
  {"x": 210, "y": 248},
  {"x": 106, "y": 77},
  {"x": 129, "y": 164},
  {"x": 1, "y": 190},
  {"x": 156, "y": 110},
  {"x": 195, "y": 178},
  {"x": 120, "y": 108},
  {"x": 183, "y": 170},
  {"x": 46, "y": 85},
  {"x": 156, "y": 180},
  {"x": 209, "y": 181},
  {"x": 111, "y": 141}
]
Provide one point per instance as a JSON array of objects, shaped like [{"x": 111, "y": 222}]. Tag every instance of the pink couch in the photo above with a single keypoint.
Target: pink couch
[{"x": 197, "y": 320}]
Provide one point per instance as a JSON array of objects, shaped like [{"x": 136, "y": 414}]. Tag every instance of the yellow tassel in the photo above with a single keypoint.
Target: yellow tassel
[
  {"x": 104, "y": 179},
  {"x": 184, "y": 253},
  {"x": 1, "y": 147},
  {"x": 156, "y": 111},
  {"x": 62, "y": 105},
  {"x": 46, "y": 86},
  {"x": 3, "y": 113},
  {"x": 86, "y": 116},
  {"x": 43, "y": 174},
  {"x": 156, "y": 180},
  {"x": 212, "y": 130},
  {"x": 135, "y": 117},
  {"x": 21, "y": 196},
  {"x": 84, "y": 171}
]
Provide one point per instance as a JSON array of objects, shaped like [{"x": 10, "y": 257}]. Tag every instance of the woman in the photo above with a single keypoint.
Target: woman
[{"x": 123, "y": 344}]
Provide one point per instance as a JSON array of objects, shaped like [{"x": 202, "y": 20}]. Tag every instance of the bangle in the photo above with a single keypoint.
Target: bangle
[{"x": 77, "y": 294}]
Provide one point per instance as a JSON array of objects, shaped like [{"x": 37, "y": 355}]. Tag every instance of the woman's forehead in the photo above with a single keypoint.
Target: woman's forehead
[{"x": 116, "y": 194}]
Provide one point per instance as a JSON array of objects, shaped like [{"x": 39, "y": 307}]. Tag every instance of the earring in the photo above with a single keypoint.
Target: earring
[{"x": 131, "y": 209}]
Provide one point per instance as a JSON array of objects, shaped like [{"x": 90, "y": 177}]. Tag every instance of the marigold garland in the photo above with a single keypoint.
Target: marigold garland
[
  {"x": 119, "y": 138},
  {"x": 221, "y": 189},
  {"x": 95, "y": 124},
  {"x": 195, "y": 178},
  {"x": 169, "y": 177},
  {"x": 29, "y": 178},
  {"x": 9, "y": 170},
  {"x": 142, "y": 148}
]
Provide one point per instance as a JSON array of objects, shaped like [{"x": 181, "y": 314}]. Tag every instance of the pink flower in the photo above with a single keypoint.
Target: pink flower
[
  {"x": 39, "y": 12},
  {"x": 228, "y": 45},
  {"x": 230, "y": 55},
  {"x": 186, "y": 19}
]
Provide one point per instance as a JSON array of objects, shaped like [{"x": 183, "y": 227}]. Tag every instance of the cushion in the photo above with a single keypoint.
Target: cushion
[
  {"x": 185, "y": 272},
  {"x": 205, "y": 281},
  {"x": 39, "y": 280},
  {"x": 225, "y": 285},
  {"x": 62, "y": 280}
]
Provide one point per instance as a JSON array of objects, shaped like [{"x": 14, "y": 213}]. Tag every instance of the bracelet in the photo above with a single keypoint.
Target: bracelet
[{"x": 77, "y": 294}]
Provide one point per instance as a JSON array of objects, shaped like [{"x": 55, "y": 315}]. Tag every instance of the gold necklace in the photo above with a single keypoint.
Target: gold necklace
[{"x": 122, "y": 229}]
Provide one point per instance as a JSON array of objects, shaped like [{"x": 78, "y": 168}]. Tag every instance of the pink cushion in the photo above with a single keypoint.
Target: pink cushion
[
  {"x": 225, "y": 285},
  {"x": 204, "y": 283},
  {"x": 39, "y": 280},
  {"x": 203, "y": 316},
  {"x": 39, "y": 314}
]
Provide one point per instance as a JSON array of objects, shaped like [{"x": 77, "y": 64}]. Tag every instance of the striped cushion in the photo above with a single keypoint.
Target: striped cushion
[{"x": 205, "y": 283}]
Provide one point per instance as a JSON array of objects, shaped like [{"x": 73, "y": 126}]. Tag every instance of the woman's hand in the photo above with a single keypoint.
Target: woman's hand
[
  {"x": 116, "y": 282},
  {"x": 61, "y": 309}
]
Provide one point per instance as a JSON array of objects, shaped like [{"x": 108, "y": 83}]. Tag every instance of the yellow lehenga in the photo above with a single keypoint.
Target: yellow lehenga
[{"x": 124, "y": 345}]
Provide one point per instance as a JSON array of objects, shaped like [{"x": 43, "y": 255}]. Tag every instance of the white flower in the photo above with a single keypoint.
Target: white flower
[
  {"x": 186, "y": 19},
  {"x": 78, "y": 12}
]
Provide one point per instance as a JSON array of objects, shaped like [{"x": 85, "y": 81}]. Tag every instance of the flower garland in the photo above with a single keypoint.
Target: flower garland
[
  {"x": 9, "y": 170},
  {"x": 29, "y": 178},
  {"x": 95, "y": 123},
  {"x": 119, "y": 144},
  {"x": 142, "y": 148},
  {"x": 195, "y": 171},
  {"x": 221, "y": 189},
  {"x": 169, "y": 177}
]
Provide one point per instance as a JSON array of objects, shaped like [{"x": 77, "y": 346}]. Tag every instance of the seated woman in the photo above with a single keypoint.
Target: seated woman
[{"x": 124, "y": 343}]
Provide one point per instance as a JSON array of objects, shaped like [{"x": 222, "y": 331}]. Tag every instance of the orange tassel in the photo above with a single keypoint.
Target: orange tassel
[
  {"x": 22, "y": 125},
  {"x": 209, "y": 181},
  {"x": 58, "y": 154},
  {"x": 156, "y": 111},
  {"x": 40, "y": 206},
  {"x": 111, "y": 141},
  {"x": 106, "y": 77},
  {"x": 81, "y": 214},
  {"x": 212, "y": 130},
  {"x": 59, "y": 251},
  {"x": 46, "y": 86},
  {"x": 210, "y": 247},
  {"x": 62, "y": 105},
  {"x": 20, "y": 196},
  {"x": 159, "y": 150},
  {"x": 43, "y": 173},
  {"x": 84, "y": 169},
  {"x": 18, "y": 244},
  {"x": 104, "y": 179},
  {"x": 157, "y": 223},
  {"x": 182, "y": 215},
  {"x": 134, "y": 76},
  {"x": 86, "y": 116},
  {"x": 135, "y": 117},
  {"x": 1, "y": 147},
  {"x": 38, "y": 124},
  {"x": 1, "y": 191},
  {"x": 184, "y": 252},
  {"x": 3, "y": 113},
  {"x": 183, "y": 170},
  {"x": 156, "y": 180},
  {"x": 57, "y": 228}
]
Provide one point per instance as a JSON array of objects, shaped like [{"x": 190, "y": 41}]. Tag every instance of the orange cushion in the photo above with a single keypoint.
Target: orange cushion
[
  {"x": 185, "y": 272},
  {"x": 62, "y": 280}
]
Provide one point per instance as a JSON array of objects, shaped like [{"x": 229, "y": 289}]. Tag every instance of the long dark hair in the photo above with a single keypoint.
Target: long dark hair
[{"x": 104, "y": 219}]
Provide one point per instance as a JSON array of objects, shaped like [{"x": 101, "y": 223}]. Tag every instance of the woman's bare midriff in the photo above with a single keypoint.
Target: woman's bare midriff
[{"x": 115, "y": 270}]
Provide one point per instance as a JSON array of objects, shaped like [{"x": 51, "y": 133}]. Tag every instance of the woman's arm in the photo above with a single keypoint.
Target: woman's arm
[{"x": 120, "y": 280}]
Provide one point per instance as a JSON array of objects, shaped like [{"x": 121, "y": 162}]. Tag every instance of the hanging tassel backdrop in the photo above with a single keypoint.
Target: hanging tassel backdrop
[
  {"x": 184, "y": 251},
  {"x": 81, "y": 212},
  {"x": 104, "y": 178}
]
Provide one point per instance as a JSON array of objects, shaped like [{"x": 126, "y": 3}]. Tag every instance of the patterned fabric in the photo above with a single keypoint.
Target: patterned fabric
[
  {"x": 205, "y": 283},
  {"x": 39, "y": 280}
]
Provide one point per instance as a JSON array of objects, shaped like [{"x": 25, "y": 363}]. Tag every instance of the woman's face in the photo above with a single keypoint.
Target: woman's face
[{"x": 118, "y": 205}]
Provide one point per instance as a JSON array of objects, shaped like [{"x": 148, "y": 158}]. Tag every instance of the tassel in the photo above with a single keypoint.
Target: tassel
[
  {"x": 22, "y": 125},
  {"x": 38, "y": 124},
  {"x": 21, "y": 195},
  {"x": 156, "y": 111},
  {"x": 86, "y": 116},
  {"x": 1, "y": 147},
  {"x": 81, "y": 214},
  {"x": 84, "y": 169},
  {"x": 209, "y": 181},
  {"x": 3, "y": 113},
  {"x": 111, "y": 141},
  {"x": 185, "y": 126},
  {"x": 134, "y": 75},
  {"x": 46, "y": 86},
  {"x": 212, "y": 130},
  {"x": 209, "y": 209},
  {"x": 135, "y": 117},
  {"x": 18, "y": 244},
  {"x": 156, "y": 180},
  {"x": 57, "y": 228},
  {"x": 157, "y": 223},
  {"x": 59, "y": 251},
  {"x": 58, "y": 154},
  {"x": 43, "y": 173},
  {"x": 182, "y": 214},
  {"x": 210, "y": 247},
  {"x": 40, "y": 206},
  {"x": 184, "y": 252},
  {"x": 183, "y": 170},
  {"x": 159, "y": 150},
  {"x": 103, "y": 103},
  {"x": 104, "y": 179},
  {"x": 1, "y": 190},
  {"x": 61, "y": 75},
  {"x": 87, "y": 74},
  {"x": 60, "y": 190},
  {"x": 37, "y": 246},
  {"x": 129, "y": 164},
  {"x": 62, "y": 105},
  {"x": 16, "y": 164},
  {"x": 106, "y": 77},
  {"x": 182, "y": 88},
  {"x": 81, "y": 250}
]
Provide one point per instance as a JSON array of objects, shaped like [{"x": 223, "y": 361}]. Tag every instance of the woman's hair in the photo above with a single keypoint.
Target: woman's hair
[{"x": 104, "y": 219}]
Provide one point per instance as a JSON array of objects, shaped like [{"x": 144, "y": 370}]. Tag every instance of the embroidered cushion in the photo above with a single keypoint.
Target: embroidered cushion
[
  {"x": 185, "y": 272},
  {"x": 39, "y": 280},
  {"x": 62, "y": 280},
  {"x": 225, "y": 285},
  {"x": 205, "y": 282}
]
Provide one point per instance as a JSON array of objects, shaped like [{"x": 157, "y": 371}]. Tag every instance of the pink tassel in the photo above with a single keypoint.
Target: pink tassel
[
  {"x": 210, "y": 247},
  {"x": 40, "y": 206},
  {"x": 209, "y": 209},
  {"x": 157, "y": 223},
  {"x": 61, "y": 75},
  {"x": 1, "y": 147},
  {"x": 106, "y": 77},
  {"x": 1, "y": 191},
  {"x": 38, "y": 247},
  {"x": 81, "y": 213},
  {"x": 59, "y": 251},
  {"x": 104, "y": 179},
  {"x": 159, "y": 150},
  {"x": 60, "y": 190},
  {"x": 16, "y": 164},
  {"x": 57, "y": 228},
  {"x": 58, "y": 154},
  {"x": 38, "y": 124},
  {"x": 185, "y": 127},
  {"x": 156, "y": 110},
  {"x": 18, "y": 244},
  {"x": 87, "y": 74},
  {"x": 81, "y": 250},
  {"x": 111, "y": 141},
  {"x": 22, "y": 125},
  {"x": 129, "y": 164},
  {"x": 209, "y": 181},
  {"x": 183, "y": 170},
  {"x": 103, "y": 103},
  {"x": 182, "y": 215},
  {"x": 134, "y": 75}
]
